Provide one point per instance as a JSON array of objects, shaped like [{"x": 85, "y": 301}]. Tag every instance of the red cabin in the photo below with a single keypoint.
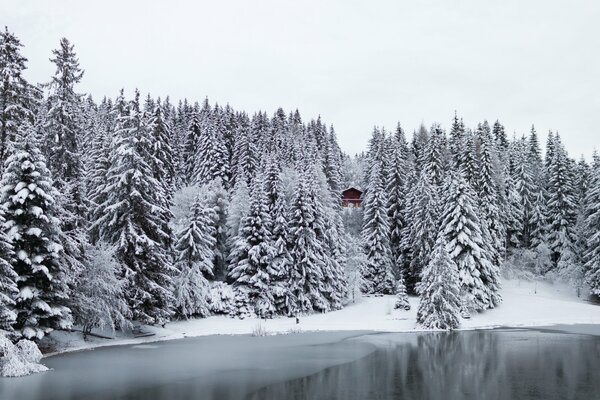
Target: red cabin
[{"x": 351, "y": 197}]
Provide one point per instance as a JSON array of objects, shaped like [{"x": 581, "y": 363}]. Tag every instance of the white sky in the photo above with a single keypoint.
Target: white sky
[{"x": 357, "y": 64}]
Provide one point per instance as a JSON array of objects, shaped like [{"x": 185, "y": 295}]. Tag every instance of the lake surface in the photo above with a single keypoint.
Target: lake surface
[{"x": 499, "y": 364}]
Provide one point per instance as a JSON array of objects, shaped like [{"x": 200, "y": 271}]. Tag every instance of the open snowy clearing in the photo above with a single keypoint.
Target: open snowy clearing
[{"x": 526, "y": 304}]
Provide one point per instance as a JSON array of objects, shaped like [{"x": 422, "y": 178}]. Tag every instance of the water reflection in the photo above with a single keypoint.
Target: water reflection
[
  {"x": 461, "y": 365},
  {"x": 477, "y": 365}
]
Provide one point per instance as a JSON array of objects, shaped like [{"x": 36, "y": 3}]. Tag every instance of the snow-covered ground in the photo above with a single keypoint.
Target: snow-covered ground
[{"x": 526, "y": 304}]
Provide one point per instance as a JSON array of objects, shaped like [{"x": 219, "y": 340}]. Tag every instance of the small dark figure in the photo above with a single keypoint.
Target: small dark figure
[{"x": 297, "y": 320}]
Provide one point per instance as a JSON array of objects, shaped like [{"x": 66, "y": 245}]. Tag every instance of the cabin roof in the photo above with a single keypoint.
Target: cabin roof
[{"x": 352, "y": 188}]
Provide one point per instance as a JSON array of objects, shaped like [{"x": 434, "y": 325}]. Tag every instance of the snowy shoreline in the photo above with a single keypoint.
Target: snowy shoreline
[{"x": 527, "y": 304}]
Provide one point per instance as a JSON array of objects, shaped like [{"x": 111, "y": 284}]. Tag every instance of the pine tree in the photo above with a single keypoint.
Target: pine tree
[
  {"x": 133, "y": 218},
  {"x": 401, "y": 295},
  {"x": 397, "y": 189},
  {"x": 592, "y": 230},
  {"x": 8, "y": 279},
  {"x": 440, "y": 291},
  {"x": 194, "y": 261},
  {"x": 490, "y": 198},
  {"x": 217, "y": 200},
  {"x": 479, "y": 278},
  {"x": 457, "y": 137},
  {"x": 192, "y": 143},
  {"x": 306, "y": 251},
  {"x": 378, "y": 275},
  {"x": 245, "y": 159},
  {"x": 561, "y": 203},
  {"x": 15, "y": 93},
  {"x": 162, "y": 165},
  {"x": 421, "y": 232},
  {"x": 253, "y": 253},
  {"x": 434, "y": 161},
  {"x": 32, "y": 228},
  {"x": 278, "y": 211},
  {"x": 500, "y": 136},
  {"x": 64, "y": 131}
]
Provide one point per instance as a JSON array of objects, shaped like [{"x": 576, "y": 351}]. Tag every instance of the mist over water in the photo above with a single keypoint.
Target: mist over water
[{"x": 480, "y": 365}]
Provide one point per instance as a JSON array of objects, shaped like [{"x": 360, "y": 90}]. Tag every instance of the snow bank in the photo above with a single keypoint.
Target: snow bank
[
  {"x": 526, "y": 304},
  {"x": 20, "y": 359}
]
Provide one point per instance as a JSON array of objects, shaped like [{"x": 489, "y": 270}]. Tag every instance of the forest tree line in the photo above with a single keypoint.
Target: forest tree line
[{"x": 137, "y": 210}]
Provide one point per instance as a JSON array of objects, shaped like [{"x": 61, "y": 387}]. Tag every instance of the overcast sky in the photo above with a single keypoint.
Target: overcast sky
[{"x": 357, "y": 64}]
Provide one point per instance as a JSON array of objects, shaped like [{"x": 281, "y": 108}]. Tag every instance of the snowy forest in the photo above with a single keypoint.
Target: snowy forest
[{"x": 141, "y": 210}]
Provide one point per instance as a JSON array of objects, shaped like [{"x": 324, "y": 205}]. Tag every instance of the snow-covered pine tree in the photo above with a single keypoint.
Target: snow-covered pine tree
[
  {"x": 561, "y": 203},
  {"x": 306, "y": 251},
  {"x": 162, "y": 163},
  {"x": 212, "y": 159},
  {"x": 592, "y": 229},
  {"x": 455, "y": 142},
  {"x": 435, "y": 156},
  {"x": 524, "y": 183},
  {"x": 278, "y": 211},
  {"x": 252, "y": 254},
  {"x": 397, "y": 191},
  {"x": 500, "y": 136},
  {"x": 469, "y": 162},
  {"x": 64, "y": 132},
  {"x": 513, "y": 214},
  {"x": 194, "y": 261},
  {"x": 217, "y": 198},
  {"x": 245, "y": 157},
  {"x": 8, "y": 281},
  {"x": 378, "y": 275},
  {"x": 440, "y": 291},
  {"x": 422, "y": 229},
  {"x": 15, "y": 93},
  {"x": 461, "y": 226},
  {"x": 32, "y": 228},
  {"x": 133, "y": 218},
  {"x": 192, "y": 142},
  {"x": 489, "y": 195},
  {"x": 401, "y": 295}
]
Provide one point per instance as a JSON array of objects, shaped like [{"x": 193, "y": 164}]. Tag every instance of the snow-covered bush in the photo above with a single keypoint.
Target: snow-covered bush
[
  {"x": 19, "y": 359},
  {"x": 259, "y": 330},
  {"x": 98, "y": 299},
  {"x": 221, "y": 298}
]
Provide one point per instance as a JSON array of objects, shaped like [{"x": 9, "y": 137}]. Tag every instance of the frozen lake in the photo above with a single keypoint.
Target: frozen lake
[{"x": 500, "y": 364}]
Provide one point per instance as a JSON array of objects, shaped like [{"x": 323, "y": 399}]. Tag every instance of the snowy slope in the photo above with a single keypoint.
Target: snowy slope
[{"x": 525, "y": 304}]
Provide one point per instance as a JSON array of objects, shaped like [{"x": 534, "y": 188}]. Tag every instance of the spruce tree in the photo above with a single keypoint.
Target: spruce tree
[
  {"x": 440, "y": 291},
  {"x": 561, "y": 203},
  {"x": 15, "y": 93},
  {"x": 377, "y": 275},
  {"x": 133, "y": 218},
  {"x": 401, "y": 295},
  {"x": 253, "y": 253},
  {"x": 592, "y": 230},
  {"x": 162, "y": 164},
  {"x": 478, "y": 276},
  {"x": 421, "y": 232},
  {"x": 306, "y": 251},
  {"x": 8, "y": 281},
  {"x": 32, "y": 229},
  {"x": 64, "y": 130},
  {"x": 194, "y": 261}
]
